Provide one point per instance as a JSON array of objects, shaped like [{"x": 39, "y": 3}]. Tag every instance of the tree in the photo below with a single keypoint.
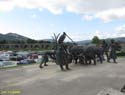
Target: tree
[
  {"x": 3, "y": 42},
  {"x": 31, "y": 41},
  {"x": 96, "y": 40}
]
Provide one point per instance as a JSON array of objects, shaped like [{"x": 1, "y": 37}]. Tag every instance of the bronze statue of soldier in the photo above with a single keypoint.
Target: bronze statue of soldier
[
  {"x": 44, "y": 60},
  {"x": 113, "y": 48},
  {"x": 105, "y": 49},
  {"x": 61, "y": 53}
]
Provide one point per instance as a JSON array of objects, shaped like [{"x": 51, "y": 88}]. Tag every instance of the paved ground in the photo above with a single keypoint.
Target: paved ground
[{"x": 81, "y": 80}]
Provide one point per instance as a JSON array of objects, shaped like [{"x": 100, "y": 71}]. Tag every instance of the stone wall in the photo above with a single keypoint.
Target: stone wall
[{"x": 27, "y": 46}]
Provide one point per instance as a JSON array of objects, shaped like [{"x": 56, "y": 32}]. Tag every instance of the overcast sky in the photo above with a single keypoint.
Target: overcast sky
[{"x": 80, "y": 19}]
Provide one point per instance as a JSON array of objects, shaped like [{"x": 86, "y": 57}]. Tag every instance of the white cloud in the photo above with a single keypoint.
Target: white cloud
[
  {"x": 106, "y": 10},
  {"x": 120, "y": 31},
  {"x": 77, "y": 36},
  {"x": 88, "y": 17},
  {"x": 111, "y": 14},
  {"x": 40, "y": 9},
  {"x": 120, "y": 28},
  {"x": 6, "y": 5},
  {"x": 100, "y": 34},
  {"x": 103, "y": 34}
]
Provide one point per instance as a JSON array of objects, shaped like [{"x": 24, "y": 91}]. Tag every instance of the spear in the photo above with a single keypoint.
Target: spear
[{"x": 70, "y": 39}]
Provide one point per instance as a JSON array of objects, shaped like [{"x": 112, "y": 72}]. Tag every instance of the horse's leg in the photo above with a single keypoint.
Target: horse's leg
[
  {"x": 107, "y": 56},
  {"x": 89, "y": 61},
  {"x": 94, "y": 59},
  {"x": 86, "y": 61},
  {"x": 67, "y": 66},
  {"x": 45, "y": 64},
  {"x": 41, "y": 65},
  {"x": 76, "y": 60}
]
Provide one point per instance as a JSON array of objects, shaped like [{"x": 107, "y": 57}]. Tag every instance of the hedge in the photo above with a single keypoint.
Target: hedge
[{"x": 121, "y": 53}]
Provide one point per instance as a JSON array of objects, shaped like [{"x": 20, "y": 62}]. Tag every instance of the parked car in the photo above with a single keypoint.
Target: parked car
[
  {"x": 16, "y": 57},
  {"x": 1, "y": 63},
  {"x": 7, "y": 63},
  {"x": 4, "y": 56},
  {"x": 26, "y": 61}
]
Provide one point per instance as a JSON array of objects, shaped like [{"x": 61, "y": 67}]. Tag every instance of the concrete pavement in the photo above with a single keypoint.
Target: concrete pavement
[{"x": 81, "y": 80}]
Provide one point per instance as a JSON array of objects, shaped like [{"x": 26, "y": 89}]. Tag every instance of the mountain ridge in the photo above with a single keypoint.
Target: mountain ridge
[
  {"x": 118, "y": 39},
  {"x": 12, "y": 37}
]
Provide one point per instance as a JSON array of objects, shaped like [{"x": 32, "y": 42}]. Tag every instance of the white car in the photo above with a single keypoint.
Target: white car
[{"x": 7, "y": 63}]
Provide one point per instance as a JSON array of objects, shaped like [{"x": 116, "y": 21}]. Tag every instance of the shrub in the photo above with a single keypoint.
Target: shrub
[{"x": 122, "y": 53}]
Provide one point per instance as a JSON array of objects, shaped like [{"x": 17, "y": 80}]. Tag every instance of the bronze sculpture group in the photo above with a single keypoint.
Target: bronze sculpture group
[{"x": 63, "y": 55}]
